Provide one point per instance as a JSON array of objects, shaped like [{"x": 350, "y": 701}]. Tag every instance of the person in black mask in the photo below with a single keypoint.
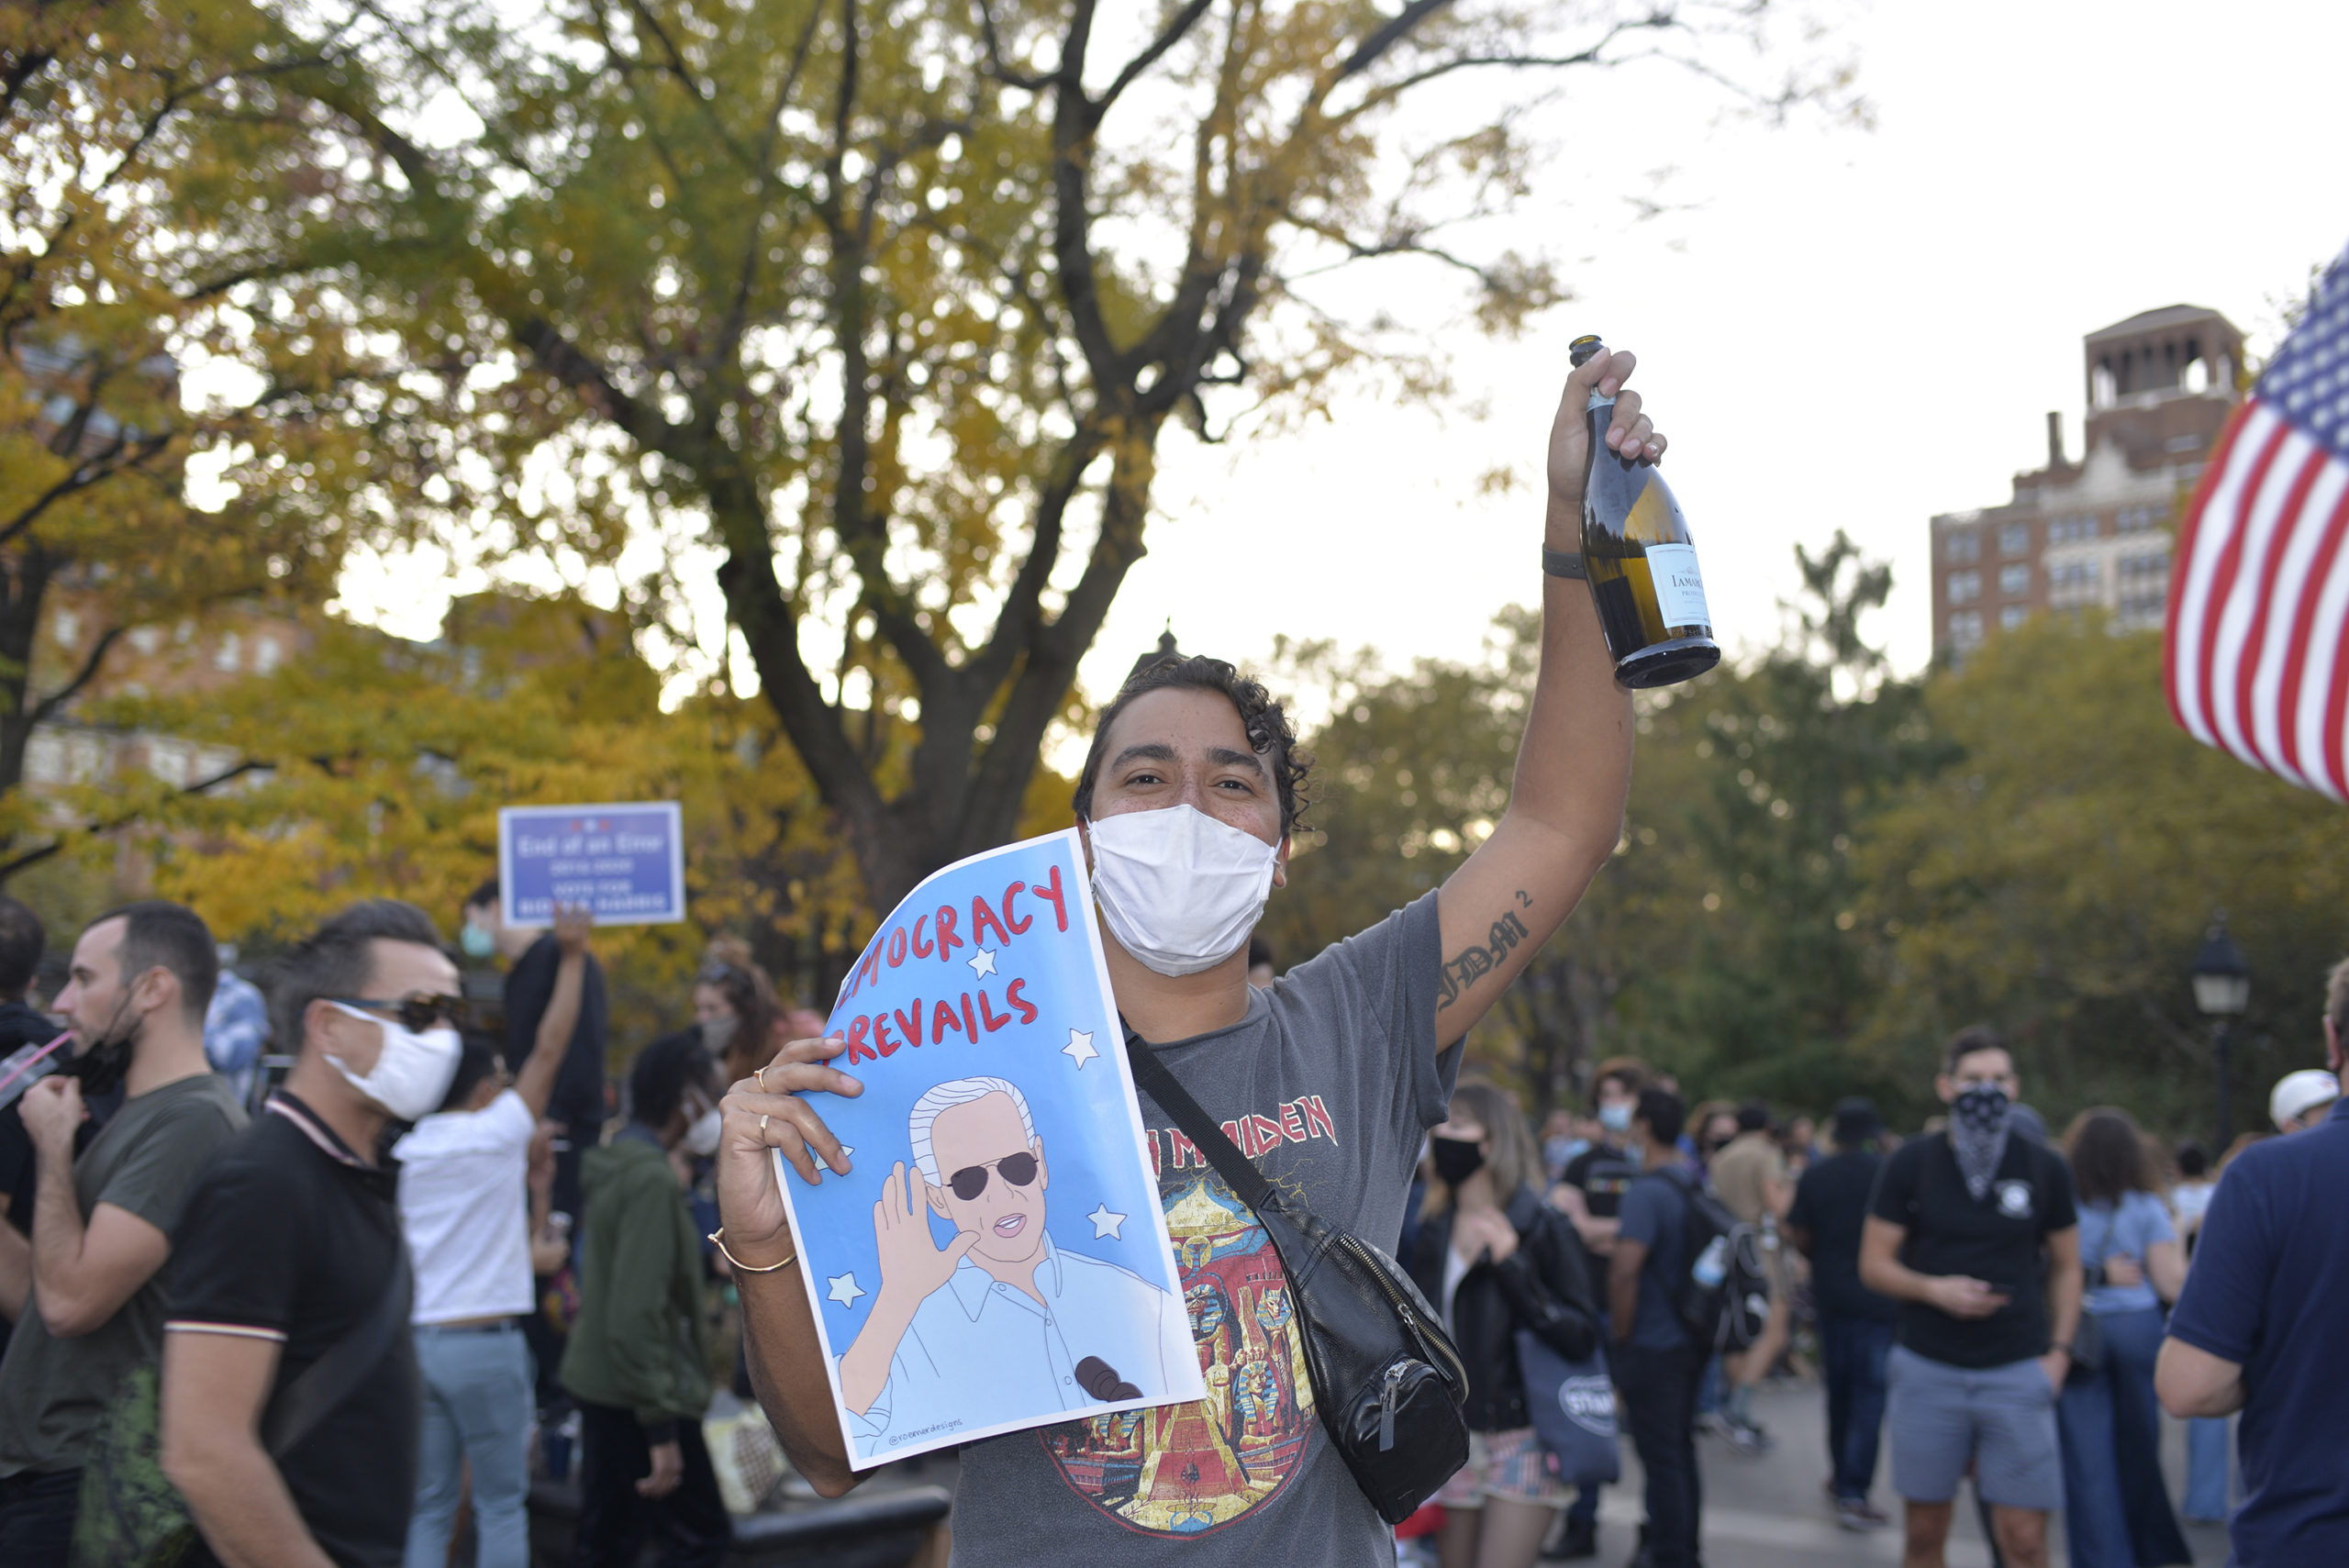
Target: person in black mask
[
  {"x": 92, "y": 1308},
  {"x": 1958, "y": 1229},
  {"x": 1496, "y": 1259}
]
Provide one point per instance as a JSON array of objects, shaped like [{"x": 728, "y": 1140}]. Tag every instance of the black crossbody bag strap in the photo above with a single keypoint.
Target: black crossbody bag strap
[
  {"x": 327, "y": 1381},
  {"x": 1239, "y": 1172}
]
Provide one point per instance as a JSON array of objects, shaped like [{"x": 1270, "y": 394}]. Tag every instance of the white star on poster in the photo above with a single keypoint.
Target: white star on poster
[
  {"x": 1106, "y": 1223},
  {"x": 982, "y": 963},
  {"x": 1079, "y": 1048},
  {"x": 845, "y": 1290}
]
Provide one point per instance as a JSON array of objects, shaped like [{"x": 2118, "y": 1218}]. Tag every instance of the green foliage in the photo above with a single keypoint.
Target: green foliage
[
  {"x": 889, "y": 305},
  {"x": 2058, "y": 879},
  {"x": 385, "y": 763},
  {"x": 160, "y": 170},
  {"x": 1825, "y": 870}
]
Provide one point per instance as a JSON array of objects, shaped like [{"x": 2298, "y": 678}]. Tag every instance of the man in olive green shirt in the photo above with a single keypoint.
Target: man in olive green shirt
[{"x": 90, "y": 1308}]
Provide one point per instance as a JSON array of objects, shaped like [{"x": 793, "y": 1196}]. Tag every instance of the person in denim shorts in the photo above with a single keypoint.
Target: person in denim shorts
[{"x": 1959, "y": 1230}]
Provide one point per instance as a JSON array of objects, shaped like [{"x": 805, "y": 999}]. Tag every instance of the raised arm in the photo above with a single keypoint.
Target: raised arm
[
  {"x": 1574, "y": 768},
  {"x": 534, "y": 1080}
]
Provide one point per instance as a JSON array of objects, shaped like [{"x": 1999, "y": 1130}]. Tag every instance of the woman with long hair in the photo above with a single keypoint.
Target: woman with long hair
[
  {"x": 734, "y": 999},
  {"x": 1495, "y": 1259},
  {"x": 2116, "y": 1507}
]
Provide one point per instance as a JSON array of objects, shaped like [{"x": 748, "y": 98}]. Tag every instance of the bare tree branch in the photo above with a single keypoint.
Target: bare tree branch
[
  {"x": 1171, "y": 35},
  {"x": 996, "y": 67},
  {"x": 33, "y": 857},
  {"x": 49, "y": 704}
]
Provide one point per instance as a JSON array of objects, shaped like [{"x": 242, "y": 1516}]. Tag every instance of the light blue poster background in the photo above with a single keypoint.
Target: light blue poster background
[{"x": 1028, "y": 977}]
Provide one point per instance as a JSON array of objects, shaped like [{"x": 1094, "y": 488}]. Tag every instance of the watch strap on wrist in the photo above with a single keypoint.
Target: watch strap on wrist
[{"x": 1563, "y": 563}]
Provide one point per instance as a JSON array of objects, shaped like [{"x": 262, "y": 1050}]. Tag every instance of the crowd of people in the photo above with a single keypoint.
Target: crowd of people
[
  {"x": 318, "y": 1307},
  {"x": 1986, "y": 1301},
  {"x": 304, "y": 1308}
]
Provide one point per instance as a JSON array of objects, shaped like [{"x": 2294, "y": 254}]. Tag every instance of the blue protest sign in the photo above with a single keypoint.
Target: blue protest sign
[
  {"x": 997, "y": 1257},
  {"x": 626, "y": 863}
]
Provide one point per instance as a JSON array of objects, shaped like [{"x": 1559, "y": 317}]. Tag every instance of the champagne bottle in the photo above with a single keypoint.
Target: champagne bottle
[{"x": 1641, "y": 561}]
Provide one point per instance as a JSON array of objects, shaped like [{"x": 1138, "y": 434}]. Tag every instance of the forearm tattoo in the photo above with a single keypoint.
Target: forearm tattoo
[{"x": 1469, "y": 966}]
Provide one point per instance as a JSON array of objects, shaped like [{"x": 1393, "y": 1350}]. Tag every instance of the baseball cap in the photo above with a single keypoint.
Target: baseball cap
[{"x": 2296, "y": 1092}]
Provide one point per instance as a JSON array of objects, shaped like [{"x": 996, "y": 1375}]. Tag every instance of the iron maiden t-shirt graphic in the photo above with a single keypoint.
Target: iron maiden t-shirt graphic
[
  {"x": 1328, "y": 1085},
  {"x": 1185, "y": 1469}
]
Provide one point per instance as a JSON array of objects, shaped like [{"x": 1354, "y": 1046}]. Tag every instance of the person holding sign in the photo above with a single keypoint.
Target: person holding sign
[{"x": 1327, "y": 1081}]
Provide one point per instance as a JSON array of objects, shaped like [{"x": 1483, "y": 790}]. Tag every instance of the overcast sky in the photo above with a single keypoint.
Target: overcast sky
[{"x": 1837, "y": 328}]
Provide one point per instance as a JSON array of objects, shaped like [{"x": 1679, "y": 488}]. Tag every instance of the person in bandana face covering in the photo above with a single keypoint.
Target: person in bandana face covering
[
  {"x": 1961, "y": 1229},
  {"x": 1189, "y": 800}
]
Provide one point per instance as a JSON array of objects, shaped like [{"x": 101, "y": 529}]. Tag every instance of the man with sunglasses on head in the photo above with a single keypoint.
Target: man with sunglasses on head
[
  {"x": 102, "y": 1223},
  {"x": 290, "y": 1392},
  {"x": 1187, "y": 800},
  {"x": 465, "y": 1205},
  {"x": 999, "y": 1317}
]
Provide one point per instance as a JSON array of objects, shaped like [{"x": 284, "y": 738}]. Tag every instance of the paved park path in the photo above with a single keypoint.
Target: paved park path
[{"x": 1767, "y": 1512}]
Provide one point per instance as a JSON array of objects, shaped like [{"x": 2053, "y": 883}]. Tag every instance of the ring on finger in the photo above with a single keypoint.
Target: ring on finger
[
  {"x": 759, "y": 1077},
  {"x": 762, "y": 1126}
]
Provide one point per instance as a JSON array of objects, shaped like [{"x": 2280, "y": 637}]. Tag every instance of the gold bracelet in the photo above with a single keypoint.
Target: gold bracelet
[{"x": 717, "y": 1240}]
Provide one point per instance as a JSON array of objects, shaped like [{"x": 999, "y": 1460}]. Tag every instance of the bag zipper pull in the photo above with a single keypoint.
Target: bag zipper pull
[{"x": 1386, "y": 1408}]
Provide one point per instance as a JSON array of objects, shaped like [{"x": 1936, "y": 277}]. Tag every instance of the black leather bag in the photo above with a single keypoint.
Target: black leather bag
[{"x": 1387, "y": 1381}]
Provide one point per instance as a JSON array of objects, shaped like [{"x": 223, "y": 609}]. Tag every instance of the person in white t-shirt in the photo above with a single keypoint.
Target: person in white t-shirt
[{"x": 465, "y": 1205}]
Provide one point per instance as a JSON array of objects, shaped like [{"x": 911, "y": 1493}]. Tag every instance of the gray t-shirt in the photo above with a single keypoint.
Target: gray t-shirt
[
  {"x": 52, "y": 1391},
  {"x": 1328, "y": 1083}
]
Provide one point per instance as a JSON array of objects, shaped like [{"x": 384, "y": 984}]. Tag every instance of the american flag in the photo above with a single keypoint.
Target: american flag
[{"x": 2257, "y": 658}]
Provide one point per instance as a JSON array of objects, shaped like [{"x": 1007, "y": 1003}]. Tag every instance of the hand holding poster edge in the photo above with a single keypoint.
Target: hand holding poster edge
[{"x": 857, "y": 1371}]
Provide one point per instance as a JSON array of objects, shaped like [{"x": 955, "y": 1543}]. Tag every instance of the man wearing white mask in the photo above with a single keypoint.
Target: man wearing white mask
[
  {"x": 290, "y": 1400},
  {"x": 1188, "y": 798}
]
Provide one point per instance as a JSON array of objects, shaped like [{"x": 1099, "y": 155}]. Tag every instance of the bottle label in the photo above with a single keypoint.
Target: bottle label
[{"x": 1679, "y": 585}]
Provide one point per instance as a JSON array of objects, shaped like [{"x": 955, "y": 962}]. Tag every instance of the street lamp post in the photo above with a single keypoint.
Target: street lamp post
[{"x": 2221, "y": 990}]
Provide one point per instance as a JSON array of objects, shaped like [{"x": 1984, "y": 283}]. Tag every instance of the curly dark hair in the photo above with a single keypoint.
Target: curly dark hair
[{"x": 1270, "y": 734}]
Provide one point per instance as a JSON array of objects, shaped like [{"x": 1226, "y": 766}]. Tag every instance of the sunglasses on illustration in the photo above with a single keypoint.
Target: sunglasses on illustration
[
  {"x": 972, "y": 1180},
  {"x": 417, "y": 1013}
]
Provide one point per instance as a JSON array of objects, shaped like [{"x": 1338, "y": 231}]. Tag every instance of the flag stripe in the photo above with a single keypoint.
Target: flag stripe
[
  {"x": 2185, "y": 583},
  {"x": 2258, "y": 721},
  {"x": 2322, "y": 571},
  {"x": 2218, "y": 714}
]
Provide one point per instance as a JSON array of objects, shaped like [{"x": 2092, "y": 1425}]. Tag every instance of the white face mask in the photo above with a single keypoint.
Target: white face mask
[
  {"x": 701, "y": 1137},
  {"x": 411, "y": 1075},
  {"x": 1179, "y": 890}
]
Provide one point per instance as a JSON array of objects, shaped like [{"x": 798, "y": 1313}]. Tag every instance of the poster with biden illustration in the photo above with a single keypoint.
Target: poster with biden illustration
[{"x": 997, "y": 1257}]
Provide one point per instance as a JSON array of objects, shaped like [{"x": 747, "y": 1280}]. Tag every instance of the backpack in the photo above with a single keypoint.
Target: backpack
[{"x": 1724, "y": 1295}]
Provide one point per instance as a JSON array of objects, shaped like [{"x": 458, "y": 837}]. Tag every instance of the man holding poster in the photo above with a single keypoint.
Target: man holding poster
[{"x": 1327, "y": 1081}]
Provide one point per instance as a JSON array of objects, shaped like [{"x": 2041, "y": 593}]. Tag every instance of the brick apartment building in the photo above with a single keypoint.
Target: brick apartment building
[{"x": 2097, "y": 531}]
